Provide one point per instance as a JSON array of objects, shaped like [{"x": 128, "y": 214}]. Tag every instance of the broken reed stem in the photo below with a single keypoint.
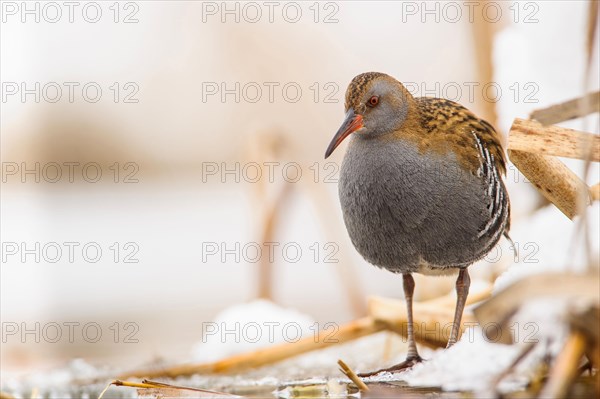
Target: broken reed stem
[
  {"x": 348, "y": 372},
  {"x": 553, "y": 179},
  {"x": 568, "y": 110},
  {"x": 566, "y": 367},
  {"x": 532, "y": 136},
  {"x": 595, "y": 192}
]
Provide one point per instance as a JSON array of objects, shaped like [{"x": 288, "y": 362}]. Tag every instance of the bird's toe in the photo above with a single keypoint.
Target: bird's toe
[{"x": 405, "y": 365}]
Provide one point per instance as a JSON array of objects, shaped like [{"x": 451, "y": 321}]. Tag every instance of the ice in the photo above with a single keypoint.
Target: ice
[{"x": 60, "y": 383}]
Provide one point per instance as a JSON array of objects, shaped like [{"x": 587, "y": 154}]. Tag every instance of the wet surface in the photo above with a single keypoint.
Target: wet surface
[{"x": 306, "y": 389}]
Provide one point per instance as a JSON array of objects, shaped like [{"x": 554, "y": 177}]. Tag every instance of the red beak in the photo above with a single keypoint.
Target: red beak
[{"x": 351, "y": 124}]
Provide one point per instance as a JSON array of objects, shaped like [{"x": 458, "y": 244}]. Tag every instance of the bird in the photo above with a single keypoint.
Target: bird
[{"x": 420, "y": 187}]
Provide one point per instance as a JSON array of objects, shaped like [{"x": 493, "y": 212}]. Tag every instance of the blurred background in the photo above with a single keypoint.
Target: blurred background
[{"x": 150, "y": 149}]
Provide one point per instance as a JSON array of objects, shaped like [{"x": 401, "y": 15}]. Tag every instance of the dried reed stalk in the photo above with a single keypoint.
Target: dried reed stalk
[
  {"x": 348, "y": 372},
  {"x": 553, "y": 179},
  {"x": 269, "y": 223},
  {"x": 155, "y": 389},
  {"x": 502, "y": 306},
  {"x": 356, "y": 329},
  {"x": 592, "y": 27},
  {"x": 568, "y": 110},
  {"x": 482, "y": 34},
  {"x": 566, "y": 367},
  {"x": 532, "y": 136},
  {"x": 595, "y": 192}
]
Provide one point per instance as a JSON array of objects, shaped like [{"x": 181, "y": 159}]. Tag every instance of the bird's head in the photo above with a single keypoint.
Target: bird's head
[{"x": 376, "y": 104}]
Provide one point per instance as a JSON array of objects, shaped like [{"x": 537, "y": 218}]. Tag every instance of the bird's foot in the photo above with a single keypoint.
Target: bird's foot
[{"x": 405, "y": 365}]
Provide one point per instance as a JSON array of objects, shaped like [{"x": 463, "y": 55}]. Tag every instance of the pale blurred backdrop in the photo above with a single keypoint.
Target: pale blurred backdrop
[{"x": 175, "y": 133}]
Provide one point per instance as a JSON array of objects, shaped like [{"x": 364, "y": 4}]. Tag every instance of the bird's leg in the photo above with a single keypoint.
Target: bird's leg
[
  {"x": 412, "y": 356},
  {"x": 409, "y": 289},
  {"x": 462, "y": 290}
]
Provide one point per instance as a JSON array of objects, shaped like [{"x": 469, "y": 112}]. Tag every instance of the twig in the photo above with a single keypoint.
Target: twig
[
  {"x": 147, "y": 384},
  {"x": 130, "y": 384},
  {"x": 158, "y": 384},
  {"x": 352, "y": 375},
  {"x": 125, "y": 384},
  {"x": 527, "y": 350},
  {"x": 568, "y": 110}
]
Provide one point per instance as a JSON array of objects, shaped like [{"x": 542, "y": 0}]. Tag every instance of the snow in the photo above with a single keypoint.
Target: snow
[
  {"x": 471, "y": 364},
  {"x": 248, "y": 327}
]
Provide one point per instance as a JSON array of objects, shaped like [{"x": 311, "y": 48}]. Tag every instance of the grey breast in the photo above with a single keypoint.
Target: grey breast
[{"x": 404, "y": 210}]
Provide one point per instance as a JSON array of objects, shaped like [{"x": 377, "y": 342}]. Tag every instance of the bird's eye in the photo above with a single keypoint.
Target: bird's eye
[{"x": 373, "y": 101}]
